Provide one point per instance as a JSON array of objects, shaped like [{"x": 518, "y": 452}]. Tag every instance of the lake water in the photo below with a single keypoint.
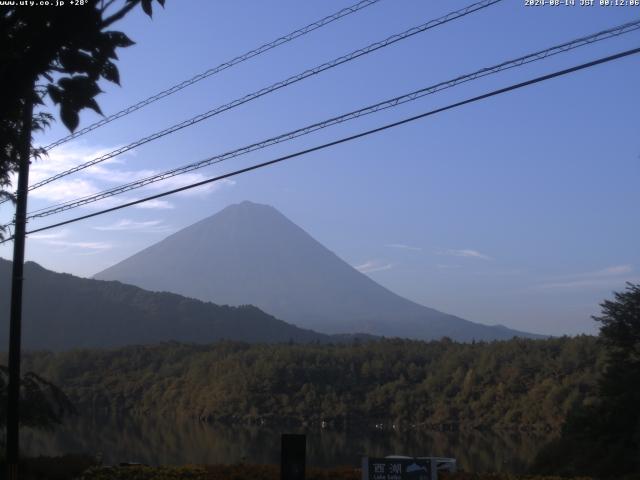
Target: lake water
[{"x": 167, "y": 442}]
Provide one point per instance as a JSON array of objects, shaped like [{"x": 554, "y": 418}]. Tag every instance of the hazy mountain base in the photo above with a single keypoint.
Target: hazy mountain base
[
  {"x": 62, "y": 311},
  {"x": 517, "y": 384}
]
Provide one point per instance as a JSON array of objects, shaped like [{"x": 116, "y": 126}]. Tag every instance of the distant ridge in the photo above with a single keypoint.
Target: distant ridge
[
  {"x": 252, "y": 254},
  {"x": 62, "y": 311}
]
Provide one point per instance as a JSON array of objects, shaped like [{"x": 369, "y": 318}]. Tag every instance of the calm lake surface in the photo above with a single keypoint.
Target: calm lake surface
[{"x": 155, "y": 442}]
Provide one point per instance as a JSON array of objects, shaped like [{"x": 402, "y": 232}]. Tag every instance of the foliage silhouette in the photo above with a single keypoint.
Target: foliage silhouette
[
  {"x": 602, "y": 437},
  {"x": 42, "y": 405},
  {"x": 59, "y": 53}
]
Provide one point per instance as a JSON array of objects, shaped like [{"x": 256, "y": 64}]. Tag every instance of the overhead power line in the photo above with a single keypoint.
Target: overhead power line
[
  {"x": 349, "y": 138},
  {"x": 276, "y": 86},
  {"x": 212, "y": 71},
  {"x": 390, "y": 103}
]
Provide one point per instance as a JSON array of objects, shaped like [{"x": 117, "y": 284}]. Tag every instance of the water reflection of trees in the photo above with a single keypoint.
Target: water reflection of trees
[{"x": 153, "y": 441}]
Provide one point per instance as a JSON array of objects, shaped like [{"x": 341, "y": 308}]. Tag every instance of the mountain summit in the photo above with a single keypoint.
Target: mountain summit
[{"x": 252, "y": 254}]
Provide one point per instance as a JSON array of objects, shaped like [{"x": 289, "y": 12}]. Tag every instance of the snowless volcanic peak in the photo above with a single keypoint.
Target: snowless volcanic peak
[{"x": 250, "y": 253}]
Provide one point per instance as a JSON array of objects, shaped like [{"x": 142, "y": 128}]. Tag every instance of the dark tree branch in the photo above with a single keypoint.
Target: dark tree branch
[
  {"x": 119, "y": 14},
  {"x": 105, "y": 6}
]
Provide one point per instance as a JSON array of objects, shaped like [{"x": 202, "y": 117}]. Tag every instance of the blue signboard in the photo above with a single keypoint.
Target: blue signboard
[{"x": 391, "y": 468}]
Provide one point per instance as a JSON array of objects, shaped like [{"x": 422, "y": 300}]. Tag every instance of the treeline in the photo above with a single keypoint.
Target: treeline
[{"x": 517, "y": 384}]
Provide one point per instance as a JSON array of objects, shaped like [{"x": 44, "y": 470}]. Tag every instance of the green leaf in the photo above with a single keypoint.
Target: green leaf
[
  {"x": 146, "y": 6},
  {"x": 118, "y": 39},
  {"x": 106, "y": 47},
  {"x": 78, "y": 62},
  {"x": 93, "y": 105},
  {"x": 55, "y": 93},
  {"x": 76, "y": 93},
  {"x": 110, "y": 72},
  {"x": 78, "y": 87},
  {"x": 69, "y": 117}
]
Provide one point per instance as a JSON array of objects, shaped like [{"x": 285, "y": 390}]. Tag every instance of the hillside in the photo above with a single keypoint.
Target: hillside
[
  {"x": 252, "y": 254},
  {"x": 517, "y": 384},
  {"x": 62, "y": 311}
]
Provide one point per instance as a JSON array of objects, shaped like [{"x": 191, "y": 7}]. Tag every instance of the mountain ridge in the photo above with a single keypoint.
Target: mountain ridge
[{"x": 62, "y": 311}]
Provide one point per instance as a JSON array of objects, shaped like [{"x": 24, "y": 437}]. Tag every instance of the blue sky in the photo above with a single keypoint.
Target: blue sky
[{"x": 519, "y": 210}]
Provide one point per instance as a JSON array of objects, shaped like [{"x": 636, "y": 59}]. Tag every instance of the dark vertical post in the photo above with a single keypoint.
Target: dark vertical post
[
  {"x": 15, "y": 326},
  {"x": 293, "y": 456}
]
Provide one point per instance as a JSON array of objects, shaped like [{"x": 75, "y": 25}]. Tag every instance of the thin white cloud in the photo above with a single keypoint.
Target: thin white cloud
[
  {"x": 607, "y": 277},
  {"x": 112, "y": 175},
  {"x": 188, "y": 179},
  {"x": 149, "y": 226},
  {"x": 588, "y": 283},
  {"x": 65, "y": 189},
  {"x": 126, "y": 224},
  {"x": 465, "y": 253},
  {"x": 606, "y": 272},
  {"x": 102, "y": 176},
  {"x": 84, "y": 245},
  {"x": 619, "y": 270},
  {"x": 81, "y": 245},
  {"x": 68, "y": 156},
  {"x": 154, "y": 204},
  {"x": 441, "y": 266},
  {"x": 402, "y": 246},
  {"x": 60, "y": 239},
  {"x": 48, "y": 236},
  {"x": 373, "y": 266},
  {"x": 115, "y": 201}
]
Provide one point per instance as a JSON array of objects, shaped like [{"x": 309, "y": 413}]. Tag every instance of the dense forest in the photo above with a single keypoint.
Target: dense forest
[{"x": 517, "y": 384}]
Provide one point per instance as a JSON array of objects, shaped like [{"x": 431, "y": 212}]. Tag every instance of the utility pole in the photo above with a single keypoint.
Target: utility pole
[{"x": 15, "y": 326}]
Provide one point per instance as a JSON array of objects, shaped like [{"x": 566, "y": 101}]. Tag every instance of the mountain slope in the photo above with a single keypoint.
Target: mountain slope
[
  {"x": 252, "y": 254},
  {"x": 62, "y": 311}
]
